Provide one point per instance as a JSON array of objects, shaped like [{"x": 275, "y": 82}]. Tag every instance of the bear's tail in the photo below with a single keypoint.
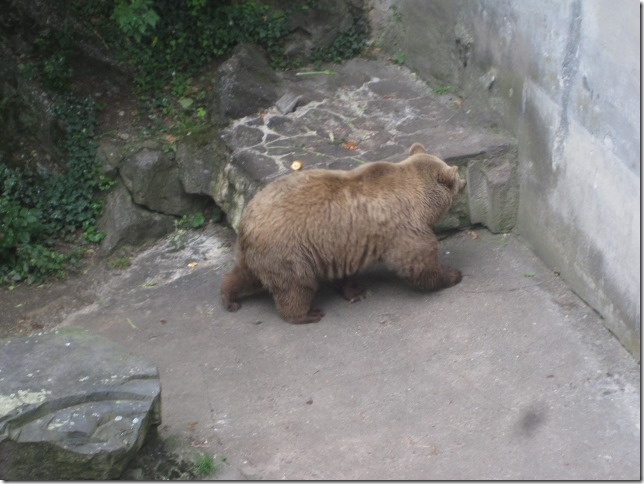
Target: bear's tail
[{"x": 238, "y": 282}]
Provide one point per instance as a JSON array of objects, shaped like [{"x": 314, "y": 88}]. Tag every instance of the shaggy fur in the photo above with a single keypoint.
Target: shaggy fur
[{"x": 319, "y": 225}]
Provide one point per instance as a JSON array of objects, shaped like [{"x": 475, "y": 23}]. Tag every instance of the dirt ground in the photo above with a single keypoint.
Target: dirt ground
[{"x": 37, "y": 307}]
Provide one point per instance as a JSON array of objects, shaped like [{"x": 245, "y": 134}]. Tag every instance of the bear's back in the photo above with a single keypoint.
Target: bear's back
[{"x": 333, "y": 219}]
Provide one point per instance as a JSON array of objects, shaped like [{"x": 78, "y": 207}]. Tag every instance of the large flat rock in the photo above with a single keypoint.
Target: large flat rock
[
  {"x": 73, "y": 405},
  {"x": 363, "y": 111}
]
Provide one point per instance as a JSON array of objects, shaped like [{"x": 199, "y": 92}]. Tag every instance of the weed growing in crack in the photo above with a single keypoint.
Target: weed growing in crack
[
  {"x": 400, "y": 58},
  {"x": 207, "y": 465},
  {"x": 442, "y": 89}
]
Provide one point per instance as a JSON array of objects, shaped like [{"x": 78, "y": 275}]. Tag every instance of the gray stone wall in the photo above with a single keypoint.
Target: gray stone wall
[{"x": 564, "y": 77}]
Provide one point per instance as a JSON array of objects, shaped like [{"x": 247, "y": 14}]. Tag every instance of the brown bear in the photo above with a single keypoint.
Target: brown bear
[{"x": 326, "y": 225}]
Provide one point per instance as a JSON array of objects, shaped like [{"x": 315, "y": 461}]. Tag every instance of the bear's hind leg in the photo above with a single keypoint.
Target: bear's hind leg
[
  {"x": 294, "y": 304},
  {"x": 235, "y": 283}
]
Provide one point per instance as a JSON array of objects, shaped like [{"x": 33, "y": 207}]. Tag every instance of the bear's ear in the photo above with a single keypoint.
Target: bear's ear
[
  {"x": 417, "y": 148},
  {"x": 448, "y": 176}
]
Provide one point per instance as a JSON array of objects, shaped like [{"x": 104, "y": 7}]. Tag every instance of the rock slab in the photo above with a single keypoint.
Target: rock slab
[
  {"x": 73, "y": 405},
  {"x": 363, "y": 111}
]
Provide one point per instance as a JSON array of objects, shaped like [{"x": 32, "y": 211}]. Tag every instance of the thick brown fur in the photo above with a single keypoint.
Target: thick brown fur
[{"x": 319, "y": 225}]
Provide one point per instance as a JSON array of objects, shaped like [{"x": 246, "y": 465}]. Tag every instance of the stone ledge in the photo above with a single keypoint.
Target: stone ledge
[
  {"x": 364, "y": 111},
  {"x": 73, "y": 405}
]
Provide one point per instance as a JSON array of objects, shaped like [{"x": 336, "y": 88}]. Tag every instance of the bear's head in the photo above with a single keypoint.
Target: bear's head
[{"x": 436, "y": 170}]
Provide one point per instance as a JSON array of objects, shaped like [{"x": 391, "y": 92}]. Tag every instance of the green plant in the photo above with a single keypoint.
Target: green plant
[
  {"x": 105, "y": 183},
  {"x": 395, "y": 13},
  {"x": 28, "y": 70},
  {"x": 165, "y": 45},
  {"x": 18, "y": 224},
  {"x": 21, "y": 256},
  {"x": 346, "y": 45},
  {"x": 91, "y": 234},
  {"x": 178, "y": 238},
  {"x": 206, "y": 464},
  {"x": 37, "y": 210},
  {"x": 119, "y": 262},
  {"x": 442, "y": 89},
  {"x": 399, "y": 58},
  {"x": 135, "y": 17},
  {"x": 194, "y": 221},
  {"x": 182, "y": 226},
  {"x": 56, "y": 72}
]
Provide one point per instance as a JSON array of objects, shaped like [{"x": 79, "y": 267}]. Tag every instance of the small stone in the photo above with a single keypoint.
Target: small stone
[{"x": 287, "y": 103}]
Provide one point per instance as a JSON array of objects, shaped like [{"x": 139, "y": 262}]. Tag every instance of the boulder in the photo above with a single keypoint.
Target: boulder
[
  {"x": 247, "y": 84},
  {"x": 200, "y": 162},
  {"x": 493, "y": 190},
  {"x": 125, "y": 223},
  {"x": 73, "y": 405},
  {"x": 152, "y": 177},
  {"x": 110, "y": 154}
]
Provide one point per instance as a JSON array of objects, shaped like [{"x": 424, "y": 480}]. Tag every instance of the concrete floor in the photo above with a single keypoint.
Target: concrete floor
[{"x": 507, "y": 375}]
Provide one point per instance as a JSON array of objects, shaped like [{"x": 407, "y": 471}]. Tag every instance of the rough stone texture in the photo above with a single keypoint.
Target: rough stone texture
[
  {"x": 246, "y": 82},
  {"x": 110, "y": 154},
  {"x": 494, "y": 183},
  {"x": 316, "y": 27},
  {"x": 200, "y": 162},
  {"x": 152, "y": 177},
  {"x": 72, "y": 406},
  {"x": 365, "y": 111},
  {"x": 563, "y": 77},
  {"x": 125, "y": 223}
]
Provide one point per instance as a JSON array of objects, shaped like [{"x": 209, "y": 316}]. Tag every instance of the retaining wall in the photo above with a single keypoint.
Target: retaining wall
[{"x": 564, "y": 77}]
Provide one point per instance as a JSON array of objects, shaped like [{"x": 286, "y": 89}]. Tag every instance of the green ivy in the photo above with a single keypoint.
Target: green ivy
[
  {"x": 135, "y": 18},
  {"x": 56, "y": 72},
  {"x": 39, "y": 209},
  {"x": 167, "y": 41},
  {"x": 347, "y": 45}
]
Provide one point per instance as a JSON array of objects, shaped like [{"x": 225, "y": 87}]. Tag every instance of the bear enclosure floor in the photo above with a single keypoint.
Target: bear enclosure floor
[{"x": 507, "y": 375}]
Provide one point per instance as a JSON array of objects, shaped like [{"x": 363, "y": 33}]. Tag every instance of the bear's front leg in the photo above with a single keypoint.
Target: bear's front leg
[
  {"x": 432, "y": 280},
  {"x": 415, "y": 260},
  {"x": 350, "y": 289}
]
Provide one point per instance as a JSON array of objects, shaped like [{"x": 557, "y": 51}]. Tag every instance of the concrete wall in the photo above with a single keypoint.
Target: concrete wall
[{"x": 564, "y": 77}]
